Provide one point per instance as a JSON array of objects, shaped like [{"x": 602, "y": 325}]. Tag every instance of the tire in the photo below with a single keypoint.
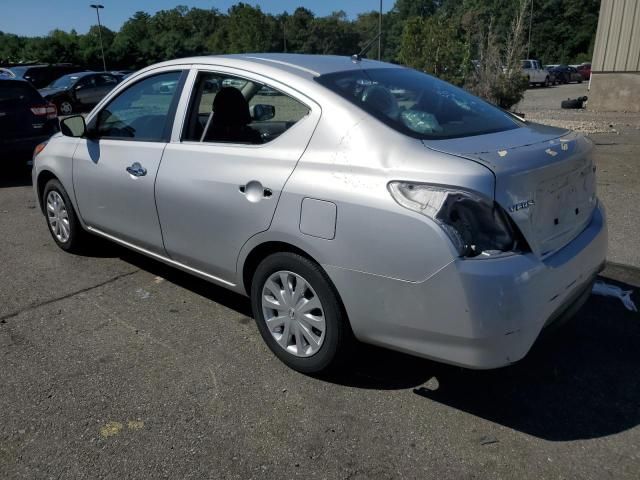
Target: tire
[
  {"x": 546, "y": 82},
  {"x": 325, "y": 337},
  {"x": 65, "y": 107},
  {"x": 69, "y": 234}
]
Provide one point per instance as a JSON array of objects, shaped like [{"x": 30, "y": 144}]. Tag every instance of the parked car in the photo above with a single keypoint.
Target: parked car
[
  {"x": 5, "y": 72},
  {"x": 79, "y": 91},
  {"x": 553, "y": 80},
  {"x": 535, "y": 73},
  {"x": 42, "y": 75},
  {"x": 584, "y": 70},
  {"x": 439, "y": 225},
  {"x": 567, "y": 74},
  {"x": 121, "y": 74},
  {"x": 26, "y": 120}
]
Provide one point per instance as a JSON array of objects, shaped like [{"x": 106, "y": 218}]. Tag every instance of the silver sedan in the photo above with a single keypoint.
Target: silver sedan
[{"x": 349, "y": 199}]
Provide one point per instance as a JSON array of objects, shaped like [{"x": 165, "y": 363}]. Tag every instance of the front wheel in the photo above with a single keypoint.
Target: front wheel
[
  {"x": 61, "y": 218},
  {"x": 299, "y": 314}
]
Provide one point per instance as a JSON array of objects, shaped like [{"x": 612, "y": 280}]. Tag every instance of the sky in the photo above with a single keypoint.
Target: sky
[{"x": 39, "y": 17}]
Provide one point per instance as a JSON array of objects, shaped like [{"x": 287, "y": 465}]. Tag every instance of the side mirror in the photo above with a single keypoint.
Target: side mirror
[
  {"x": 261, "y": 112},
  {"x": 73, "y": 126}
]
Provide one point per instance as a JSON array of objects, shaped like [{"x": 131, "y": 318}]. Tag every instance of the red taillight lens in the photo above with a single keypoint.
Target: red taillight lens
[{"x": 49, "y": 110}]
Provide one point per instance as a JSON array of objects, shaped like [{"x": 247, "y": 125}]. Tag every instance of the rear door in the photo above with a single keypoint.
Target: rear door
[
  {"x": 104, "y": 84},
  {"x": 84, "y": 90},
  {"x": 213, "y": 195}
]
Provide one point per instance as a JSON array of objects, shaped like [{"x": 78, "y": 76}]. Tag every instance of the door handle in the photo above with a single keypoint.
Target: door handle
[
  {"x": 136, "y": 170},
  {"x": 254, "y": 191}
]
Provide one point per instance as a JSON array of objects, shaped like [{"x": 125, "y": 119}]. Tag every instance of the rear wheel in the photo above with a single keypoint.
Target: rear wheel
[
  {"x": 65, "y": 107},
  {"x": 299, "y": 314},
  {"x": 546, "y": 82},
  {"x": 61, "y": 218}
]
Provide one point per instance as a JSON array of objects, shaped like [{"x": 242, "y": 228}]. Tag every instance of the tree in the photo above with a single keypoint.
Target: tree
[
  {"x": 440, "y": 36},
  {"x": 434, "y": 45}
]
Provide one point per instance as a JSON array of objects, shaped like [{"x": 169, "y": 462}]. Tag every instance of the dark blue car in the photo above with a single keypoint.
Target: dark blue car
[{"x": 26, "y": 120}]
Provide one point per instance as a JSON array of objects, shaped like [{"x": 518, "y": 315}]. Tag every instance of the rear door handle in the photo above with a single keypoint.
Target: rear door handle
[
  {"x": 136, "y": 170},
  {"x": 254, "y": 191}
]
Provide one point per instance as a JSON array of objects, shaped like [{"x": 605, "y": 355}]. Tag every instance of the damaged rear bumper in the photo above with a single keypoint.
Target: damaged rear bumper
[{"x": 475, "y": 313}]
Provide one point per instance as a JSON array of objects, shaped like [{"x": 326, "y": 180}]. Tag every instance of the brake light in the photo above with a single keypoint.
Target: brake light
[{"x": 49, "y": 110}]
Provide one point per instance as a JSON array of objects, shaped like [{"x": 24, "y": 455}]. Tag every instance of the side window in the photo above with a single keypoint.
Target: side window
[
  {"x": 230, "y": 109},
  {"x": 86, "y": 82},
  {"x": 142, "y": 111},
  {"x": 105, "y": 80}
]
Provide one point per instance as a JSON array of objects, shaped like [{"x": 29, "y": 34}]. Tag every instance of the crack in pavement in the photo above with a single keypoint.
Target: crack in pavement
[{"x": 33, "y": 306}]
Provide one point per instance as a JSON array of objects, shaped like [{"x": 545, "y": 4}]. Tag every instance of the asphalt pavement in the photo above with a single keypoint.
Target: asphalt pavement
[{"x": 115, "y": 366}]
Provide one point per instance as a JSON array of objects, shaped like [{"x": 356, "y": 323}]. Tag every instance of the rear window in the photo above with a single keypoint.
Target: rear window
[
  {"x": 17, "y": 91},
  {"x": 417, "y": 104}
]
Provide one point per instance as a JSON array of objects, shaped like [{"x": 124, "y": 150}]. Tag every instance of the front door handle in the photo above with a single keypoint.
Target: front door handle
[{"x": 136, "y": 170}]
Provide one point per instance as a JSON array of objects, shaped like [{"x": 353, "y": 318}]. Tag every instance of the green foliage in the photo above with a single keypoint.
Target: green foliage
[
  {"x": 433, "y": 45},
  {"x": 438, "y": 36},
  {"x": 507, "y": 90}
]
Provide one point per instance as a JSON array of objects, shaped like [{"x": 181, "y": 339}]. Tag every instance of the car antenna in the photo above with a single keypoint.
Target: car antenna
[{"x": 358, "y": 56}]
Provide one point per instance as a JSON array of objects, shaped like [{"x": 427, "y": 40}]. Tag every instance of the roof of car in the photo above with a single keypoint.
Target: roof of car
[
  {"x": 78, "y": 74},
  {"x": 304, "y": 65}
]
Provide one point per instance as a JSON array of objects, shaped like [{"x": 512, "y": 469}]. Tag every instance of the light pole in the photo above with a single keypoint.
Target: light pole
[
  {"x": 530, "y": 22},
  {"x": 98, "y": 7},
  {"x": 380, "y": 33}
]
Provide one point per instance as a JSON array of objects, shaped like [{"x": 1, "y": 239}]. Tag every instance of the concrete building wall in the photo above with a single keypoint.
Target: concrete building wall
[{"x": 615, "y": 70}]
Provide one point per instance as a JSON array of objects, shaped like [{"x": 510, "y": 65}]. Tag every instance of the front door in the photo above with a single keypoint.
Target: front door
[
  {"x": 114, "y": 171},
  {"x": 220, "y": 183}
]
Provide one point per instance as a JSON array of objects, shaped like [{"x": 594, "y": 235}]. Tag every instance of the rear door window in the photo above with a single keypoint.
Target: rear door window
[{"x": 258, "y": 113}]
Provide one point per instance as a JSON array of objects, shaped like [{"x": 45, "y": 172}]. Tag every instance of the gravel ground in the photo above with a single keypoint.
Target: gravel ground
[{"x": 542, "y": 105}]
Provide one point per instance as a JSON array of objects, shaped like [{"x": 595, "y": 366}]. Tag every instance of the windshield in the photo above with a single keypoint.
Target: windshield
[
  {"x": 417, "y": 104},
  {"x": 64, "y": 82}
]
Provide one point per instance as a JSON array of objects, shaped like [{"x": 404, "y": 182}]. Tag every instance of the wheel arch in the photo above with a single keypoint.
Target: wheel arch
[
  {"x": 43, "y": 177},
  {"x": 263, "y": 250}
]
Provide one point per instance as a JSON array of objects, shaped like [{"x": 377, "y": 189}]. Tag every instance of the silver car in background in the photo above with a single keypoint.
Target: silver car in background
[{"x": 365, "y": 201}]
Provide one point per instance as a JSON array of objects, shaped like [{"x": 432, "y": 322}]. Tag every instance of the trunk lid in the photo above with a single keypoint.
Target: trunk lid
[{"x": 545, "y": 179}]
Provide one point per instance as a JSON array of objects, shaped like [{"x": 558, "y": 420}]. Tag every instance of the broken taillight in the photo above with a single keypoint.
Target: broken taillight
[{"x": 475, "y": 225}]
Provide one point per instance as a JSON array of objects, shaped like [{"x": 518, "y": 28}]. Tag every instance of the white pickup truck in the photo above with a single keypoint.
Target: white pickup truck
[{"x": 535, "y": 73}]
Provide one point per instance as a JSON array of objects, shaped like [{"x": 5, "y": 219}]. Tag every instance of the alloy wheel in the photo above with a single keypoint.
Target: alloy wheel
[
  {"x": 66, "y": 108},
  {"x": 58, "y": 217},
  {"x": 293, "y": 313}
]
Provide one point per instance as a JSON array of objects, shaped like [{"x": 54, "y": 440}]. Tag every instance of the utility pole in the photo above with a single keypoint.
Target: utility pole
[
  {"x": 530, "y": 22},
  {"x": 98, "y": 7},
  {"x": 284, "y": 33},
  {"x": 380, "y": 33}
]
